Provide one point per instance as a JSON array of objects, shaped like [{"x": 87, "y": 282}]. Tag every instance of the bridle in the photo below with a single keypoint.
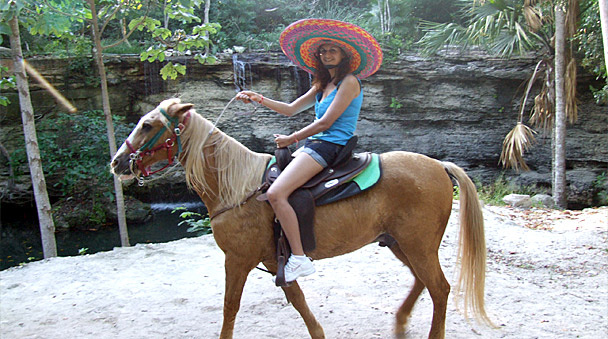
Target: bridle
[
  {"x": 148, "y": 149},
  {"x": 136, "y": 156}
]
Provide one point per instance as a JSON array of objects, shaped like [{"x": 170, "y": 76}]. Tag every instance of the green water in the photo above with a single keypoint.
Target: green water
[{"x": 20, "y": 237}]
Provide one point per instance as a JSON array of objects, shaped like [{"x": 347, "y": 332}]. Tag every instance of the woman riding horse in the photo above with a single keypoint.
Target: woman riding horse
[
  {"x": 319, "y": 47},
  {"x": 410, "y": 206}
]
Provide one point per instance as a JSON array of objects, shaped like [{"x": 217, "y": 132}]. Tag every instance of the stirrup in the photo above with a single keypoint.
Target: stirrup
[{"x": 283, "y": 253}]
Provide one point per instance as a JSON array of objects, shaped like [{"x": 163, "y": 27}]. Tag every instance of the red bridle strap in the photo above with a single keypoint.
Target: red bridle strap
[{"x": 137, "y": 155}]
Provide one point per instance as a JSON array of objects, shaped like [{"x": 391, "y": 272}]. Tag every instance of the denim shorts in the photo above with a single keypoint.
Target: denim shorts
[{"x": 324, "y": 152}]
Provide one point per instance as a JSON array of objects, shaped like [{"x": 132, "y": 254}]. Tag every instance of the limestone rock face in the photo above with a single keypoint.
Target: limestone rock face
[
  {"x": 518, "y": 200},
  {"x": 454, "y": 108},
  {"x": 543, "y": 200}
]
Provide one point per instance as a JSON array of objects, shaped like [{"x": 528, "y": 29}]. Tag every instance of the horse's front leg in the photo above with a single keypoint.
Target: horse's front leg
[
  {"x": 236, "y": 275},
  {"x": 295, "y": 295}
]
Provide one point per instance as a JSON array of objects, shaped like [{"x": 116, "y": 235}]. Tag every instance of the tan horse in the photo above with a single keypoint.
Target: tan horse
[{"x": 411, "y": 204}]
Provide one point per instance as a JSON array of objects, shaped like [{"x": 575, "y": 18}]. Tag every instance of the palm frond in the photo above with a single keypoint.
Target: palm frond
[
  {"x": 570, "y": 92},
  {"x": 535, "y": 2},
  {"x": 544, "y": 103},
  {"x": 542, "y": 112},
  {"x": 531, "y": 82},
  {"x": 496, "y": 25},
  {"x": 487, "y": 9},
  {"x": 519, "y": 139},
  {"x": 513, "y": 41},
  {"x": 533, "y": 18},
  {"x": 440, "y": 35},
  {"x": 572, "y": 17}
]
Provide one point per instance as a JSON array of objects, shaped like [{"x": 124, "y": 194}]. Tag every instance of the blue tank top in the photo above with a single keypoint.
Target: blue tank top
[{"x": 344, "y": 127}]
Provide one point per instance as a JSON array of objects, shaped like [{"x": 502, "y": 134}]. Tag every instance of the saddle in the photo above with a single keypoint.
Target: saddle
[{"x": 313, "y": 193}]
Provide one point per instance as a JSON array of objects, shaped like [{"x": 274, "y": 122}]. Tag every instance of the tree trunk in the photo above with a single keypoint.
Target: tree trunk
[
  {"x": 43, "y": 205},
  {"x": 604, "y": 22},
  {"x": 165, "y": 14},
  {"x": 206, "y": 21},
  {"x": 123, "y": 30},
  {"x": 559, "y": 133},
  {"x": 381, "y": 13},
  {"x": 120, "y": 201},
  {"x": 387, "y": 16}
]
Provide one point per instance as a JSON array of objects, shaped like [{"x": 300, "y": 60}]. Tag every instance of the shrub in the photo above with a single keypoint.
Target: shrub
[
  {"x": 74, "y": 151},
  {"x": 196, "y": 222},
  {"x": 492, "y": 194}
]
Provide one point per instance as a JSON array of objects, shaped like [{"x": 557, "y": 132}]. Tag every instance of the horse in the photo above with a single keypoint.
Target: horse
[{"x": 410, "y": 204}]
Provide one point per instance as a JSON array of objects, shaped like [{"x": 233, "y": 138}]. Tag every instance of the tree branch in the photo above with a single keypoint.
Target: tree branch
[
  {"x": 105, "y": 24},
  {"x": 124, "y": 38},
  {"x": 58, "y": 11}
]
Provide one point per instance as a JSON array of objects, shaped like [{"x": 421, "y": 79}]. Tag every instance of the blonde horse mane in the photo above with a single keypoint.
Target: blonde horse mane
[{"x": 237, "y": 169}]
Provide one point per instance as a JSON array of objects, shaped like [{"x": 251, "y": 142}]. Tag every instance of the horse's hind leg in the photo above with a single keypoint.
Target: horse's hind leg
[
  {"x": 295, "y": 295},
  {"x": 405, "y": 310},
  {"x": 426, "y": 267}
]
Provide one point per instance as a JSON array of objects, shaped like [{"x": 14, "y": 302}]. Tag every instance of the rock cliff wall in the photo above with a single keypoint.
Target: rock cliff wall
[{"x": 456, "y": 108}]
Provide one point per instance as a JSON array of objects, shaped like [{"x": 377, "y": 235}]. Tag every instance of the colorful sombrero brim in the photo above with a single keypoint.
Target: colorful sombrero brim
[{"x": 300, "y": 40}]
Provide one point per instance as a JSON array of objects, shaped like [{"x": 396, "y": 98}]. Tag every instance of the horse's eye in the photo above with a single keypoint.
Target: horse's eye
[{"x": 146, "y": 127}]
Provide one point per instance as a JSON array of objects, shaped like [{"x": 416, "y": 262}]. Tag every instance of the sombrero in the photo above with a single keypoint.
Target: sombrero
[{"x": 300, "y": 40}]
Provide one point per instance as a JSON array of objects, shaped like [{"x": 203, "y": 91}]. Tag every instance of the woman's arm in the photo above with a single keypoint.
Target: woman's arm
[{"x": 288, "y": 109}]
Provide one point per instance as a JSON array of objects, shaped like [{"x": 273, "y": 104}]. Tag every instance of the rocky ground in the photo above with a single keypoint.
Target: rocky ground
[{"x": 547, "y": 277}]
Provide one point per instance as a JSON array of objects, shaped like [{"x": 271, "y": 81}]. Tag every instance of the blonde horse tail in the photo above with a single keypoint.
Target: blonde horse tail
[{"x": 471, "y": 246}]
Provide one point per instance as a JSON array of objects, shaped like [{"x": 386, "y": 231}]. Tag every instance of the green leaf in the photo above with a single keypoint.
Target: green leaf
[
  {"x": 136, "y": 22},
  {"x": 4, "y": 28},
  {"x": 181, "y": 69},
  {"x": 7, "y": 11},
  {"x": 168, "y": 71},
  {"x": 185, "y": 14},
  {"x": 161, "y": 32},
  {"x": 172, "y": 71},
  {"x": 202, "y": 59}
]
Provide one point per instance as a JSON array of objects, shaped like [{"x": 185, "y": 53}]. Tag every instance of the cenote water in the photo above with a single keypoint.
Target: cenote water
[{"x": 20, "y": 240}]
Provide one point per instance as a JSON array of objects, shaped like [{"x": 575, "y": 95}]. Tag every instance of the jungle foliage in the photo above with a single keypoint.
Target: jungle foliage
[
  {"x": 60, "y": 27},
  {"x": 589, "y": 40},
  {"x": 254, "y": 24},
  {"x": 71, "y": 145},
  {"x": 257, "y": 24}
]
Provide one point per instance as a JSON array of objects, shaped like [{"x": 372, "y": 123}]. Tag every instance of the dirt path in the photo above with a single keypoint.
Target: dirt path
[{"x": 540, "y": 284}]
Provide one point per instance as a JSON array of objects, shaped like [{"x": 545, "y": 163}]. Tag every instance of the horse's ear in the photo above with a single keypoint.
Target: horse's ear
[{"x": 178, "y": 109}]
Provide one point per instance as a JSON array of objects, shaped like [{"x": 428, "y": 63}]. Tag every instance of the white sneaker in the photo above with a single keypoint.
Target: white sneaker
[{"x": 298, "y": 266}]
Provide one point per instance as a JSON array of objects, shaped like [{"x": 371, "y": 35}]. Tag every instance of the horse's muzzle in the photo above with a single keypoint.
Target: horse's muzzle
[{"x": 120, "y": 166}]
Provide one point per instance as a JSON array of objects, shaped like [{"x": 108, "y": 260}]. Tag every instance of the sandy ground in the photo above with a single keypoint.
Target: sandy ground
[{"x": 547, "y": 278}]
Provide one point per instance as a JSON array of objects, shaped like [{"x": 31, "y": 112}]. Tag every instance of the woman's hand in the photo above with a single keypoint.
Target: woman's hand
[
  {"x": 284, "y": 140},
  {"x": 248, "y": 96}
]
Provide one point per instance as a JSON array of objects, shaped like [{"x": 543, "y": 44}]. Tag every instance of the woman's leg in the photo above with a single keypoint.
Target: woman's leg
[{"x": 297, "y": 173}]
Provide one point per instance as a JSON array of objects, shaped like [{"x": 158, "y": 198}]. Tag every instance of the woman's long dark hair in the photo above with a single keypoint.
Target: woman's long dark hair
[{"x": 322, "y": 77}]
